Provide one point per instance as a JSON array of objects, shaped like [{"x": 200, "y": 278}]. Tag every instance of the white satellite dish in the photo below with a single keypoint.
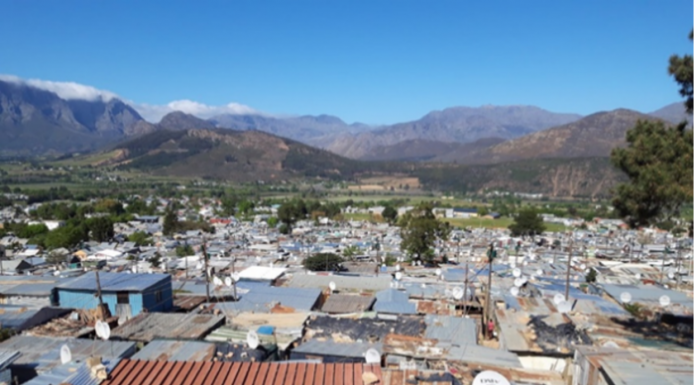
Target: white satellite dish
[
  {"x": 65, "y": 354},
  {"x": 564, "y": 307},
  {"x": 514, "y": 291},
  {"x": 105, "y": 331},
  {"x": 398, "y": 276},
  {"x": 423, "y": 286},
  {"x": 98, "y": 329},
  {"x": 583, "y": 267},
  {"x": 252, "y": 339},
  {"x": 236, "y": 277},
  {"x": 625, "y": 297},
  {"x": 258, "y": 259},
  {"x": 134, "y": 269},
  {"x": 217, "y": 281},
  {"x": 488, "y": 377},
  {"x": 56, "y": 273},
  {"x": 398, "y": 267},
  {"x": 518, "y": 282},
  {"x": 665, "y": 301},
  {"x": 558, "y": 298},
  {"x": 372, "y": 356},
  {"x": 610, "y": 344},
  {"x": 438, "y": 272},
  {"x": 637, "y": 275},
  {"x": 516, "y": 272},
  {"x": 332, "y": 286},
  {"x": 199, "y": 266},
  {"x": 670, "y": 275},
  {"x": 228, "y": 281},
  {"x": 540, "y": 272},
  {"x": 458, "y": 293}
]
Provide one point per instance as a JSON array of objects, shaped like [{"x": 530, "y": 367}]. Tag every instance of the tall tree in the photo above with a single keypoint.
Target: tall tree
[
  {"x": 171, "y": 222},
  {"x": 528, "y": 222},
  {"x": 682, "y": 68},
  {"x": 420, "y": 230},
  {"x": 658, "y": 162},
  {"x": 389, "y": 214}
]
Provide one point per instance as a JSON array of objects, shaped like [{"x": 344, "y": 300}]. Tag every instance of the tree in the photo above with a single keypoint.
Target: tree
[
  {"x": 419, "y": 231},
  {"x": 101, "y": 228},
  {"x": 658, "y": 162},
  {"x": 184, "y": 251},
  {"x": 272, "y": 222},
  {"x": 682, "y": 68},
  {"x": 350, "y": 252},
  {"x": 171, "y": 222},
  {"x": 323, "y": 262},
  {"x": 155, "y": 260},
  {"x": 591, "y": 276},
  {"x": 527, "y": 222},
  {"x": 389, "y": 214},
  {"x": 482, "y": 211},
  {"x": 140, "y": 238}
]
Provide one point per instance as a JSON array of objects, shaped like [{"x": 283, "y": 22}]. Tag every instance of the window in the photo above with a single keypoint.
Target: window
[
  {"x": 122, "y": 297},
  {"x": 158, "y": 296}
]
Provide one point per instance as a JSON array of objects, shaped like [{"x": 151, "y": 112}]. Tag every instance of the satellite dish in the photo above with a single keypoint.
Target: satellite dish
[
  {"x": 217, "y": 281},
  {"x": 423, "y": 286},
  {"x": 516, "y": 272},
  {"x": 488, "y": 377},
  {"x": 398, "y": 267},
  {"x": 258, "y": 259},
  {"x": 519, "y": 282},
  {"x": 236, "y": 277},
  {"x": 564, "y": 307},
  {"x": 98, "y": 329},
  {"x": 610, "y": 344},
  {"x": 252, "y": 339},
  {"x": 558, "y": 298},
  {"x": 625, "y": 297},
  {"x": 134, "y": 269},
  {"x": 398, "y": 276},
  {"x": 458, "y": 293},
  {"x": 665, "y": 301},
  {"x": 65, "y": 354},
  {"x": 540, "y": 272},
  {"x": 105, "y": 331},
  {"x": 199, "y": 266},
  {"x": 637, "y": 275},
  {"x": 514, "y": 291},
  {"x": 583, "y": 267},
  {"x": 372, "y": 356},
  {"x": 670, "y": 275},
  {"x": 228, "y": 281},
  {"x": 56, "y": 273},
  {"x": 332, "y": 286},
  {"x": 438, "y": 272}
]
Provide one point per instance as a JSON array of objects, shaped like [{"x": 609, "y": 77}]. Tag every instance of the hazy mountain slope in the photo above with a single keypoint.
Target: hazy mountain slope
[
  {"x": 457, "y": 124},
  {"x": 673, "y": 113}
]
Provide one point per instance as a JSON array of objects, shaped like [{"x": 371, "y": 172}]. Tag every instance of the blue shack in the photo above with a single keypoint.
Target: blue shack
[{"x": 126, "y": 295}]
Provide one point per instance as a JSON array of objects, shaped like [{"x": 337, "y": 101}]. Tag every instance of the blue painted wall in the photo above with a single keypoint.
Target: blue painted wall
[{"x": 139, "y": 301}]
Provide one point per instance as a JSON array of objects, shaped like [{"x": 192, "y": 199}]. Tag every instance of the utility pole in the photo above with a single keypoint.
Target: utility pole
[
  {"x": 466, "y": 286},
  {"x": 570, "y": 258},
  {"x": 207, "y": 274},
  {"x": 491, "y": 254}
]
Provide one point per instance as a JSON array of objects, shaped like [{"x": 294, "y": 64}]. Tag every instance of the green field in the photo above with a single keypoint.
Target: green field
[{"x": 501, "y": 223}]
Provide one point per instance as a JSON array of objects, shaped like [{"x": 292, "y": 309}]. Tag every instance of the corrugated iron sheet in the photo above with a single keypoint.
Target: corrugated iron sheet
[
  {"x": 114, "y": 281},
  {"x": 344, "y": 303},
  {"x": 149, "y": 326},
  {"x": 135, "y": 372}
]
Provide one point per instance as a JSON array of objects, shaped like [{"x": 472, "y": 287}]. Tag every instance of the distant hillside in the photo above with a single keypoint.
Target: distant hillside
[
  {"x": 457, "y": 124},
  {"x": 593, "y": 136},
  {"x": 34, "y": 121},
  {"x": 673, "y": 113},
  {"x": 428, "y": 150},
  {"x": 233, "y": 155}
]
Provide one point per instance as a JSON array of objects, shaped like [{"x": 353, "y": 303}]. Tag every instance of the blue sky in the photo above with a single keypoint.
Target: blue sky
[{"x": 374, "y": 61}]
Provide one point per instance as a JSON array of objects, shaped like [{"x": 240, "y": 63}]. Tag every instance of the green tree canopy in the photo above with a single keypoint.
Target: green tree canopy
[
  {"x": 101, "y": 228},
  {"x": 140, "y": 238},
  {"x": 389, "y": 214},
  {"x": 528, "y": 222},
  {"x": 682, "y": 68},
  {"x": 658, "y": 162},
  {"x": 323, "y": 262},
  {"x": 419, "y": 231},
  {"x": 170, "y": 223}
]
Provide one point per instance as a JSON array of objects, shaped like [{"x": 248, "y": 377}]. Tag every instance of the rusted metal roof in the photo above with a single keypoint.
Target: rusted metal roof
[
  {"x": 149, "y": 326},
  {"x": 137, "y": 372},
  {"x": 188, "y": 302},
  {"x": 344, "y": 303}
]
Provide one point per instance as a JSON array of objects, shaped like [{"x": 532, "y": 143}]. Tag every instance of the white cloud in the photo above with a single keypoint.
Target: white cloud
[
  {"x": 65, "y": 90},
  {"x": 149, "y": 112},
  {"x": 154, "y": 113}
]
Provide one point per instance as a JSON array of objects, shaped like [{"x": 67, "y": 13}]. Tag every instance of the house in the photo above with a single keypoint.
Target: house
[
  {"x": 126, "y": 295},
  {"x": 461, "y": 212}
]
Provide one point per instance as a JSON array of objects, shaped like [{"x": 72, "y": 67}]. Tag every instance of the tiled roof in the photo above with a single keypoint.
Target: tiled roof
[{"x": 137, "y": 372}]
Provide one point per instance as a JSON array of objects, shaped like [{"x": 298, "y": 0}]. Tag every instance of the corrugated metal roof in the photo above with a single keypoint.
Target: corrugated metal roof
[
  {"x": 335, "y": 349},
  {"x": 73, "y": 373},
  {"x": 649, "y": 295},
  {"x": 136, "y": 372},
  {"x": 263, "y": 298},
  {"x": 342, "y": 282},
  {"x": 149, "y": 326},
  {"x": 392, "y": 301},
  {"x": 163, "y": 350},
  {"x": 114, "y": 281},
  {"x": 40, "y": 354},
  {"x": 344, "y": 303},
  {"x": 7, "y": 357},
  {"x": 19, "y": 318},
  {"x": 457, "y": 331}
]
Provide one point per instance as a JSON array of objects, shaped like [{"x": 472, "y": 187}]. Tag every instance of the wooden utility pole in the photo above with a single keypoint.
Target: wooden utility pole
[
  {"x": 99, "y": 293},
  {"x": 491, "y": 254},
  {"x": 570, "y": 258},
  {"x": 207, "y": 274},
  {"x": 466, "y": 286}
]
